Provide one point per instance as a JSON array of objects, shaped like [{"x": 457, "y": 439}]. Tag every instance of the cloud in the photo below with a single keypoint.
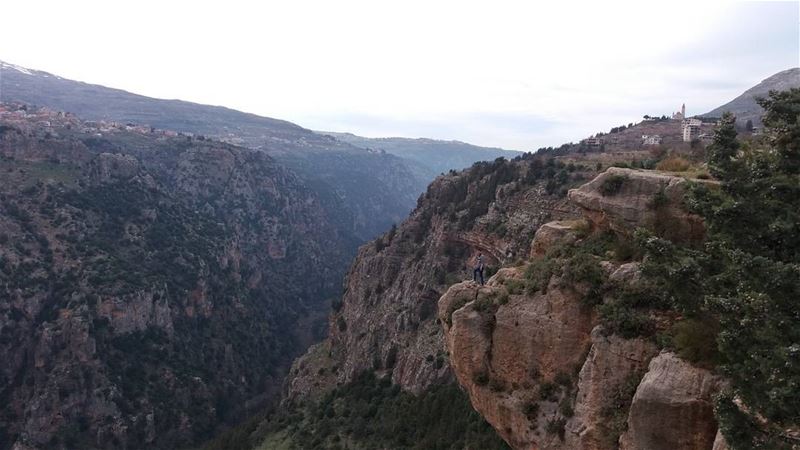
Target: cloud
[{"x": 507, "y": 73}]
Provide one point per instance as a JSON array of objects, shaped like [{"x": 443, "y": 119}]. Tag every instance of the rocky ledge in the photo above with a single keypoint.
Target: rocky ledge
[{"x": 540, "y": 368}]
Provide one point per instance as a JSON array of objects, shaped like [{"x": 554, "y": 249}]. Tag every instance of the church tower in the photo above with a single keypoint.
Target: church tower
[{"x": 683, "y": 111}]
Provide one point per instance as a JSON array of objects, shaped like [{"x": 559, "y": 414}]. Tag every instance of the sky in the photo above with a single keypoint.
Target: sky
[{"x": 512, "y": 74}]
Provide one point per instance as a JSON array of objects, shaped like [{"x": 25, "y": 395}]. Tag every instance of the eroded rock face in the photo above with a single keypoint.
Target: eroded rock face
[
  {"x": 503, "y": 354},
  {"x": 551, "y": 234},
  {"x": 625, "y": 199},
  {"x": 110, "y": 167},
  {"x": 673, "y": 408},
  {"x": 541, "y": 371},
  {"x": 150, "y": 291},
  {"x": 613, "y": 365},
  {"x": 387, "y": 318}
]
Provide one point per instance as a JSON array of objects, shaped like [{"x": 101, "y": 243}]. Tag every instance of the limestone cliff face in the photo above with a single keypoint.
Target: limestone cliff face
[
  {"x": 386, "y": 319},
  {"x": 151, "y": 288},
  {"x": 623, "y": 199},
  {"x": 542, "y": 371}
]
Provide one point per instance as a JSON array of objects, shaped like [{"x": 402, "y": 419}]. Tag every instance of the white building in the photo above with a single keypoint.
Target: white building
[
  {"x": 651, "y": 139},
  {"x": 691, "y": 129},
  {"x": 592, "y": 142}
]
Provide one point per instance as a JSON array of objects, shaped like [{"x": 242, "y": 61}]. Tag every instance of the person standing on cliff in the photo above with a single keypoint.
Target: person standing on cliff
[{"x": 478, "y": 270}]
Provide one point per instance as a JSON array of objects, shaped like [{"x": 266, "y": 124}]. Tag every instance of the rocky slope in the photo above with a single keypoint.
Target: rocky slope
[
  {"x": 151, "y": 287},
  {"x": 745, "y": 108},
  {"x": 386, "y": 320},
  {"x": 365, "y": 192},
  {"x": 433, "y": 155},
  {"x": 543, "y": 368}
]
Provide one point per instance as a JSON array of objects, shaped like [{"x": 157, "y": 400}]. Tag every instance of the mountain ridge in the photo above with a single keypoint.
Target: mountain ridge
[
  {"x": 328, "y": 164},
  {"x": 745, "y": 107}
]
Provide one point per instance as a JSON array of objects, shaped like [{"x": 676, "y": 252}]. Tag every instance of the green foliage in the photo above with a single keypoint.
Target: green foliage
[
  {"x": 531, "y": 410},
  {"x": 723, "y": 150},
  {"x": 514, "y": 286},
  {"x": 556, "y": 426},
  {"x": 695, "y": 340},
  {"x": 372, "y": 413},
  {"x": 612, "y": 184},
  {"x": 582, "y": 267},
  {"x": 455, "y": 306},
  {"x": 484, "y": 304},
  {"x": 538, "y": 274},
  {"x": 548, "y": 391},
  {"x": 659, "y": 200},
  {"x": 739, "y": 289}
]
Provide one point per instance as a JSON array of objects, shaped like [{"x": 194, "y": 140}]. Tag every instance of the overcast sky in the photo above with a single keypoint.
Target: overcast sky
[{"x": 518, "y": 75}]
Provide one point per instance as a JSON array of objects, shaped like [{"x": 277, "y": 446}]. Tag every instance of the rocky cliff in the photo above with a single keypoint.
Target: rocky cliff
[
  {"x": 386, "y": 320},
  {"x": 541, "y": 352},
  {"x": 151, "y": 287}
]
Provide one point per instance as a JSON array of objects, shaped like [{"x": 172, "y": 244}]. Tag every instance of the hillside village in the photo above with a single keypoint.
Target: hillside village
[
  {"x": 678, "y": 132},
  {"x": 32, "y": 118}
]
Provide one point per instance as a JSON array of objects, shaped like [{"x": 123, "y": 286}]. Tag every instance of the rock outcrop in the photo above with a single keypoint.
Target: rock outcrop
[
  {"x": 612, "y": 367},
  {"x": 624, "y": 199},
  {"x": 673, "y": 408},
  {"x": 386, "y": 319},
  {"x": 540, "y": 369}
]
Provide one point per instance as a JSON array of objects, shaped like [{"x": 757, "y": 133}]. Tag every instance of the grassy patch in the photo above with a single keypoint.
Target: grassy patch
[{"x": 674, "y": 164}]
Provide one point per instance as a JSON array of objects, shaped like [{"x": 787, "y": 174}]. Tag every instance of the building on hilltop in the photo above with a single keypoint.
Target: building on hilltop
[
  {"x": 680, "y": 115},
  {"x": 651, "y": 139},
  {"x": 593, "y": 142},
  {"x": 691, "y": 129}
]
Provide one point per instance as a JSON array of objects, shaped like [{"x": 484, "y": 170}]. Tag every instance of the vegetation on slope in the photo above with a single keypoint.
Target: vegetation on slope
[
  {"x": 728, "y": 303},
  {"x": 369, "y": 413}
]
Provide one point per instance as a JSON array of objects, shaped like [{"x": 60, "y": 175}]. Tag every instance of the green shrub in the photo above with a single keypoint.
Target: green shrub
[
  {"x": 557, "y": 426},
  {"x": 538, "y": 274},
  {"x": 565, "y": 407},
  {"x": 547, "y": 391},
  {"x": 618, "y": 318},
  {"x": 563, "y": 379},
  {"x": 480, "y": 378},
  {"x": 615, "y": 412},
  {"x": 514, "y": 286},
  {"x": 674, "y": 164},
  {"x": 612, "y": 184},
  {"x": 695, "y": 340},
  {"x": 483, "y": 304},
  {"x": 531, "y": 410},
  {"x": 659, "y": 200}
]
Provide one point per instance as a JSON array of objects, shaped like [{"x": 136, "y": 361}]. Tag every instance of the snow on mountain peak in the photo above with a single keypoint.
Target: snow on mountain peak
[{"x": 21, "y": 69}]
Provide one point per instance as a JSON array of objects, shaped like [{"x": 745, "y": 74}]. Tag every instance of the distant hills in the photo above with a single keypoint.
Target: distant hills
[
  {"x": 436, "y": 155},
  {"x": 365, "y": 192},
  {"x": 745, "y": 108}
]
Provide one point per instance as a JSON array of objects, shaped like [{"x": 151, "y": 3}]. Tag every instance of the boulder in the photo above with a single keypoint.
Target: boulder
[
  {"x": 551, "y": 234},
  {"x": 673, "y": 408},
  {"x": 612, "y": 365},
  {"x": 626, "y": 199}
]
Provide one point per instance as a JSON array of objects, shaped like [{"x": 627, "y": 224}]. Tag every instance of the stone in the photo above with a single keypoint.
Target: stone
[{"x": 673, "y": 408}]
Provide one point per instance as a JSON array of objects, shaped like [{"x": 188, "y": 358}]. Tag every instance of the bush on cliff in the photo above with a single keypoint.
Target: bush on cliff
[{"x": 746, "y": 277}]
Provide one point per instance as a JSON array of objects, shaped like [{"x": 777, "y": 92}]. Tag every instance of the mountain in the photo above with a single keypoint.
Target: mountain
[
  {"x": 152, "y": 287},
  {"x": 436, "y": 156},
  {"x": 364, "y": 191},
  {"x": 745, "y": 108}
]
